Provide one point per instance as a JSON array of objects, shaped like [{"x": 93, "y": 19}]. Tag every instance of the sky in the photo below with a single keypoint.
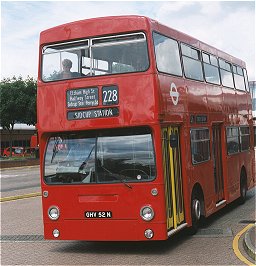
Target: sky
[{"x": 226, "y": 25}]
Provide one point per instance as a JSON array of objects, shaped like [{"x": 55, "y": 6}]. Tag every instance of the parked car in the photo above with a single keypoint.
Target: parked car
[{"x": 16, "y": 151}]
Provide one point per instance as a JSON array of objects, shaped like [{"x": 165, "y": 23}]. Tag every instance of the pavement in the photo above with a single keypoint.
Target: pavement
[
  {"x": 9, "y": 163},
  {"x": 250, "y": 242}
]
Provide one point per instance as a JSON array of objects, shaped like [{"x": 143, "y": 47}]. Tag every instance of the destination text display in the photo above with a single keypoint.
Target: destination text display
[
  {"x": 93, "y": 113},
  {"x": 78, "y": 98}
]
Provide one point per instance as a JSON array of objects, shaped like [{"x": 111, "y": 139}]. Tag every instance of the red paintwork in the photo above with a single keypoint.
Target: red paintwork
[
  {"x": 143, "y": 100},
  {"x": 132, "y": 87},
  {"x": 34, "y": 142},
  {"x": 125, "y": 204}
]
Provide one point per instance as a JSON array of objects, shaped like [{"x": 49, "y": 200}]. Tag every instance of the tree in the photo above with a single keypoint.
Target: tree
[{"x": 17, "y": 103}]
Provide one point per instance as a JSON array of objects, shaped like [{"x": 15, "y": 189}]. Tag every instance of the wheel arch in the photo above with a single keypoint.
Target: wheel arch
[
  {"x": 243, "y": 175},
  {"x": 243, "y": 185}
]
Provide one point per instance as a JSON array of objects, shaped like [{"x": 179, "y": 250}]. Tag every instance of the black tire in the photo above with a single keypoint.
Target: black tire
[
  {"x": 243, "y": 188},
  {"x": 196, "y": 212}
]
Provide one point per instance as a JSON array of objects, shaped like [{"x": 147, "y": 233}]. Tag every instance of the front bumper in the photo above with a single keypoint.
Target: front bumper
[{"x": 104, "y": 230}]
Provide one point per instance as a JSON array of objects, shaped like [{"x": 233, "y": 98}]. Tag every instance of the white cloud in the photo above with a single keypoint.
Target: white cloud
[
  {"x": 229, "y": 26},
  {"x": 170, "y": 7},
  {"x": 22, "y": 23},
  {"x": 211, "y": 9}
]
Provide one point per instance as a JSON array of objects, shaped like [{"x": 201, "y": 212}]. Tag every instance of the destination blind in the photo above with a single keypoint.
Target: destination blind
[
  {"x": 93, "y": 113},
  {"x": 79, "y": 98}
]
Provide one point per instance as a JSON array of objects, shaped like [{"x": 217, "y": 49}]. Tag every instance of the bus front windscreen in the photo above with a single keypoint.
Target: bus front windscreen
[
  {"x": 80, "y": 159},
  {"x": 93, "y": 57}
]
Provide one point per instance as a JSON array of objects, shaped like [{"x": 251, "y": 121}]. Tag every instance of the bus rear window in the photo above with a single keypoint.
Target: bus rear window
[{"x": 93, "y": 57}]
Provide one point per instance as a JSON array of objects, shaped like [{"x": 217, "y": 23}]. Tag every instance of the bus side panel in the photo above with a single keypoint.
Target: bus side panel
[
  {"x": 196, "y": 97},
  {"x": 174, "y": 98}
]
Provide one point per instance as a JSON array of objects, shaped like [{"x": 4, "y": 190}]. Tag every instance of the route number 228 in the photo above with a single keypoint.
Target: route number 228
[{"x": 110, "y": 95}]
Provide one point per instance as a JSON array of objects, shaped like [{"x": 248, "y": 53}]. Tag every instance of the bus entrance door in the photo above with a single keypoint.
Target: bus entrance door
[
  {"x": 173, "y": 178},
  {"x": 217, "y": 163}
]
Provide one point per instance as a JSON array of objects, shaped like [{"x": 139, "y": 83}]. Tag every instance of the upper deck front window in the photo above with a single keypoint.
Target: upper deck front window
[{"x": 94, "y": 57}]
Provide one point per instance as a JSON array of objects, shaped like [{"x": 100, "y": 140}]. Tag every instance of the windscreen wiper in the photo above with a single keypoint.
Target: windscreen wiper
[
  {"x": 86, "y": 160},
  {"x": 117, "y": 176},
  {"x": 55, "y": 149}
]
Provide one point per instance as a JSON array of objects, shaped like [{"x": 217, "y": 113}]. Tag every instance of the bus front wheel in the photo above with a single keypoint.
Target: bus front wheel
[{"x": 196, "y": 213}]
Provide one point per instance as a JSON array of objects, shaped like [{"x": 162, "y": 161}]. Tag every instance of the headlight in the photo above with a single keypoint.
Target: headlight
[
  {"x": 56, "y": 233},
  {"x": 147, "y": 213},
  {"x": 149, "y": 233},
  {"x": 53, "y": 213}
]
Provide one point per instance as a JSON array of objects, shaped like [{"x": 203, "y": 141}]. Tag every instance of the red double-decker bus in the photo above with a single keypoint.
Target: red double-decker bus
[{"x": 143, "y": 130}]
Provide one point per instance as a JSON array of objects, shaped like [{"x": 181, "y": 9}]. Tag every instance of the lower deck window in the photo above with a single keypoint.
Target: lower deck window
[
  {"x": 245, "y": 138},
  {"x": 238, "y": 139},
  {"x": 105, "y": 157},
  {"x": 200, "y": 145},
  {"x": 232, "y": 140}
]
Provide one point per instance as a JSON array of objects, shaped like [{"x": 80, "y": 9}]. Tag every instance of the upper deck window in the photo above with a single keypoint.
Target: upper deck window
[
  {"x": 211, "y": 69},
  {"x": 246, "y": 80},
  {"x": 191, "y": 62},
  {"x": 239, "y": 78},
  {"x": 94, "y": 57},
  {"x": 167, "y": 55},
  {"x": 226, "y": 74}
]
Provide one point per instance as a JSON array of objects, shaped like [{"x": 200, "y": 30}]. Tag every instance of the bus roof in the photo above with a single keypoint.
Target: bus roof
[
  {"x": 120, "y": 24},
  {"x": 95, "y": 27}
]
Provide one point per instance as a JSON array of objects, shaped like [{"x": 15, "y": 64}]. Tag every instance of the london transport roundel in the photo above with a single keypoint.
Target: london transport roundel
[{"x": 174, "y": 94}]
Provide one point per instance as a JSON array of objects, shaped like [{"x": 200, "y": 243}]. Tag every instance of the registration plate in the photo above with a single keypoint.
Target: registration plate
[{"x": 98, "y": 214}]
